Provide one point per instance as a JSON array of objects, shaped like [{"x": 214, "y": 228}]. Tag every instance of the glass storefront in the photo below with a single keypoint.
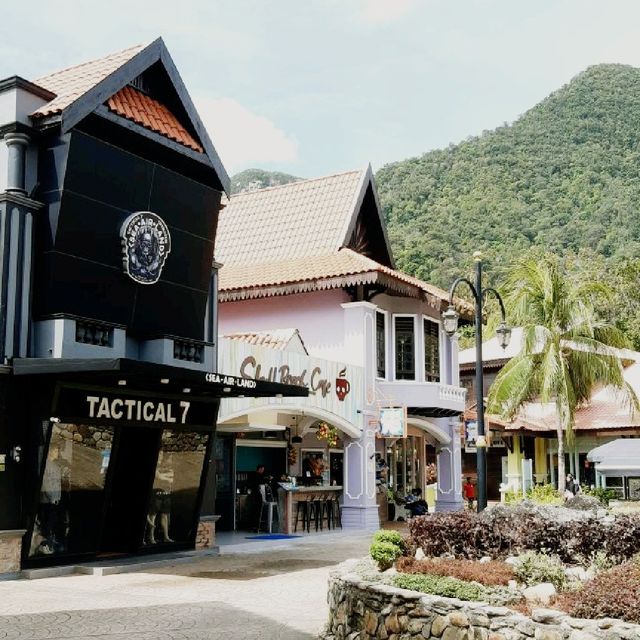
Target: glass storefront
[
  {"x": 117, "y": 490},
  {"x": 174, "y": 496},
  {"x": 71, "y": 495}
]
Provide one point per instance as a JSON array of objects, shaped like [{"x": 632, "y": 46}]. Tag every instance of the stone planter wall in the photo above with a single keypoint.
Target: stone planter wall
[
  {"x": 360, "y": 611},
  {"x": 10, "y": 548}
]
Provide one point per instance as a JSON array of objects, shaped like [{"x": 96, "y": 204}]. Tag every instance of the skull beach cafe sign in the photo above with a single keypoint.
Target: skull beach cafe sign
[{"x": 333, "y": 386}]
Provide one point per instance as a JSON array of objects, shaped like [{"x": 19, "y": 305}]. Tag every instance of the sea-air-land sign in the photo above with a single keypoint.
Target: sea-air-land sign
[{"x": 146, "y": 243}]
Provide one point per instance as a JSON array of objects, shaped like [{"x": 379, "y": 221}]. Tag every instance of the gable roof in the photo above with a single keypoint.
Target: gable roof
[
  {"x": 301, "y": 219},
  {"x": 295, "y": 238},
  {"x": 88, "y": 88}
]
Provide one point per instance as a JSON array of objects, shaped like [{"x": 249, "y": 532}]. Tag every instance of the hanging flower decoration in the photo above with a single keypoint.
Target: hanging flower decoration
[
  {"x": 292, "y": 454},
  {"x": 328, "y": 433}
]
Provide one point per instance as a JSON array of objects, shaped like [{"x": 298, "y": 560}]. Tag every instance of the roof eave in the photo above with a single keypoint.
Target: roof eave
[{"x": 95, "y": 97}]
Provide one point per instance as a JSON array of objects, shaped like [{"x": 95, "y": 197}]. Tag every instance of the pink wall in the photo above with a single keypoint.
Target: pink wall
[{"x": 317, "y": 315}]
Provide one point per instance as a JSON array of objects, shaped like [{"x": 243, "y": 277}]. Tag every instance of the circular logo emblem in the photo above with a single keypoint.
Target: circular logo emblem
[{"x": 146, "y": 243}]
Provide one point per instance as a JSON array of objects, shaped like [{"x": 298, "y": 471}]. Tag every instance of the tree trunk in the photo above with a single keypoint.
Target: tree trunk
[{"x": 562, "y": 476}]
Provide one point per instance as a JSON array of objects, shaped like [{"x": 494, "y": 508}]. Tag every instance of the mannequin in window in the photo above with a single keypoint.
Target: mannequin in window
[
  {"x": 160, "y": 509},
  {"x": 49, "y": 513}
]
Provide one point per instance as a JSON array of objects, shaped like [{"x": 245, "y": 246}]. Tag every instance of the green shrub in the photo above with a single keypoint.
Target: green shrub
[
  {"x": 600, "y": 561},
  {"x": 534, "y": 568},
  {"x": 544, "y": 494},
  {"x": 440, "y": 586},
  {"x": 513, "y": 497},
  {"x": 602, "y": 494},
  {"x": 392, "y": 537},
  {"x": 384, "y": 554}
]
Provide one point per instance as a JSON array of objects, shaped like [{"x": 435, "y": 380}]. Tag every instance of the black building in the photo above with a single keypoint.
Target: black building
[{"x": 108, "y": 396}]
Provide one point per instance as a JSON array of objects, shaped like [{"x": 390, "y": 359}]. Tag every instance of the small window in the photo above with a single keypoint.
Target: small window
[
  {"x": 381, "y": 344},
  {"x": 431, "y": 351},
  {"x": 405, "y": 348}
]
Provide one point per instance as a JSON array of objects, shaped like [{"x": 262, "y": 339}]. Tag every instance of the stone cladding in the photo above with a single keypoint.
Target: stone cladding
[{"x": 361, "y": 610}]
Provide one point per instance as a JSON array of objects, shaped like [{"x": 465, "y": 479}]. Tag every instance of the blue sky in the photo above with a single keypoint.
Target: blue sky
[{"x": 313, "y": 87}]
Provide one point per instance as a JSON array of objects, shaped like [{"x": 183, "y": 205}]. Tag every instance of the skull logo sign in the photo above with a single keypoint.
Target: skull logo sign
[{"x": 146, "y": 243}]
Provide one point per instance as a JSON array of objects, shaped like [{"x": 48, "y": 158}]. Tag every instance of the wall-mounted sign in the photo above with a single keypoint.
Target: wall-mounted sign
[
  {"x": 146, "y": 243},
  {"x": 80, "y": 405},
  {"x": 393, "y": 422},
  {"x": 334, "y": 387}
]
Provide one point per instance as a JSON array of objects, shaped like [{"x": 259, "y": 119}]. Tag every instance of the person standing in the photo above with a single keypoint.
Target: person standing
[{"x": 469, "y": 492}]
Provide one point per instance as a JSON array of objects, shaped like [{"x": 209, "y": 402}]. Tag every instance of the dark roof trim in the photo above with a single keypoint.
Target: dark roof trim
[
  {"x": 104, "y": 112},
  {"x": 367, "y": 180},
  {"x": 469, "y": 367},
  {"x": 101, "y": 92},
  {"x": 149, "y": 374},
  {"x": 16, "y": 82}
]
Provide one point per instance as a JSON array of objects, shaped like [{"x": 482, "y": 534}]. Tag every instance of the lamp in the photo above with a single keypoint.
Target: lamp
[
  {"x": 450, "y": 321},
  {"x": 503, "y": 333}
]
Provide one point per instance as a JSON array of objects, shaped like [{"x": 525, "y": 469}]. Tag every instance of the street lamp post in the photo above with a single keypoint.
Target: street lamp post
[{"x": 503, "y": 332}]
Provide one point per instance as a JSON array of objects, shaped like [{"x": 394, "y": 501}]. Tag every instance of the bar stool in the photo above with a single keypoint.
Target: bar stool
[
  {"x": 270, "y": 505},
  {"x": 336, "y": 515},
  {"x": 328, "y": 511},
  {"x": 316, "y": 511},
  {"x": 303, "y": 509}
]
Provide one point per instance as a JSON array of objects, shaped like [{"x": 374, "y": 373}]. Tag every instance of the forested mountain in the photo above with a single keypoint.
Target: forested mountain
[
  {"x": 253, "y": 179},
  {"x": 564, "y": 176}
]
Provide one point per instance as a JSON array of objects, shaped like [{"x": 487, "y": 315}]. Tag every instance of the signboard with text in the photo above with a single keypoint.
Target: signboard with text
[
  {"x": 333, "y": 386},
  {"x": 82, "y": 405}
]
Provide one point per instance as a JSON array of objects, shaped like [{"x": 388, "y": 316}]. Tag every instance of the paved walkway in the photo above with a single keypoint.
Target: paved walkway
[{"x": 278, "y": 593}]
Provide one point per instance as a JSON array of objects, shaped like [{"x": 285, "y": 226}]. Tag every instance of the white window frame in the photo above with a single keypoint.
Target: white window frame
[
  {"x": 441, "y": 371},
  {"x": 416, "y": 343},
  {"x": 387, "y": 373}
]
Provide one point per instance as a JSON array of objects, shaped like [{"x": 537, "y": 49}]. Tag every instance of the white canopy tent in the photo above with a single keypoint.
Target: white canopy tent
[{"x": 618, "y": 466}]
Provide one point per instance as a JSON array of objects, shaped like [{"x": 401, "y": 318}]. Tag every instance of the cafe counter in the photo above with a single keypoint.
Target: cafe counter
[{"x": 289, "y": 496}]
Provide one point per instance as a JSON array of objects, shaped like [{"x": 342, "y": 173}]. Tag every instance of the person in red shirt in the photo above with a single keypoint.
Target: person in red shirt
[{"x": 469, "y": 492}]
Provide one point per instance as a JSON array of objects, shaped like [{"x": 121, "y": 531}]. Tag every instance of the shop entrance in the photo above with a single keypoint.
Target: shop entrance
[
  {"x": 116, "y": 490},
  {"x": 129, "y": 483}
]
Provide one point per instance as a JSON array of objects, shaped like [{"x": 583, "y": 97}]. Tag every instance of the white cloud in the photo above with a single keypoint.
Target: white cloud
[
  {"x": 243, "y": 138},
  {"x": 384, "y": 11}
]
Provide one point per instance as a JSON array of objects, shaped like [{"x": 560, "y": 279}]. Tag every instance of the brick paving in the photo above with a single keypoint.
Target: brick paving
[{"x": 275, "y": 594}]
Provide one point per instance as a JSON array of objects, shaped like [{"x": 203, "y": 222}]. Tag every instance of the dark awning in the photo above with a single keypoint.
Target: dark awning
[{"x": 150, "y": 376}]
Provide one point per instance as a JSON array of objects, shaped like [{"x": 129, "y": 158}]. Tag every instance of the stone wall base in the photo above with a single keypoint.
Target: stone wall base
[
  {"x": 360, "y": 610},
  {"x": 206, "y": 534},
  {"x": 10, "y": 550}
]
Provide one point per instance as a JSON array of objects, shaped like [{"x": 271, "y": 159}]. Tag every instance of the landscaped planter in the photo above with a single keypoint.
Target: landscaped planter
[{"x": 359, "y": 609}]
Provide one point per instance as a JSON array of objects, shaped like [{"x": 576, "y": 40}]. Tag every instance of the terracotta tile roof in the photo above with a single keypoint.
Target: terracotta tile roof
[
  {"x": 290, "y": 239},
  {"x": 151, "y": 114},
  {"x": 311, "y": 273},
  {"x": 69, "y": 84},
  {"x": 605, "y": 411},
  {"x": 296, "y": 220}
]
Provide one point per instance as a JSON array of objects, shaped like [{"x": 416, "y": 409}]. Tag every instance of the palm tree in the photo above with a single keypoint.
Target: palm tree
[{"x": 567, "y": 350}]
